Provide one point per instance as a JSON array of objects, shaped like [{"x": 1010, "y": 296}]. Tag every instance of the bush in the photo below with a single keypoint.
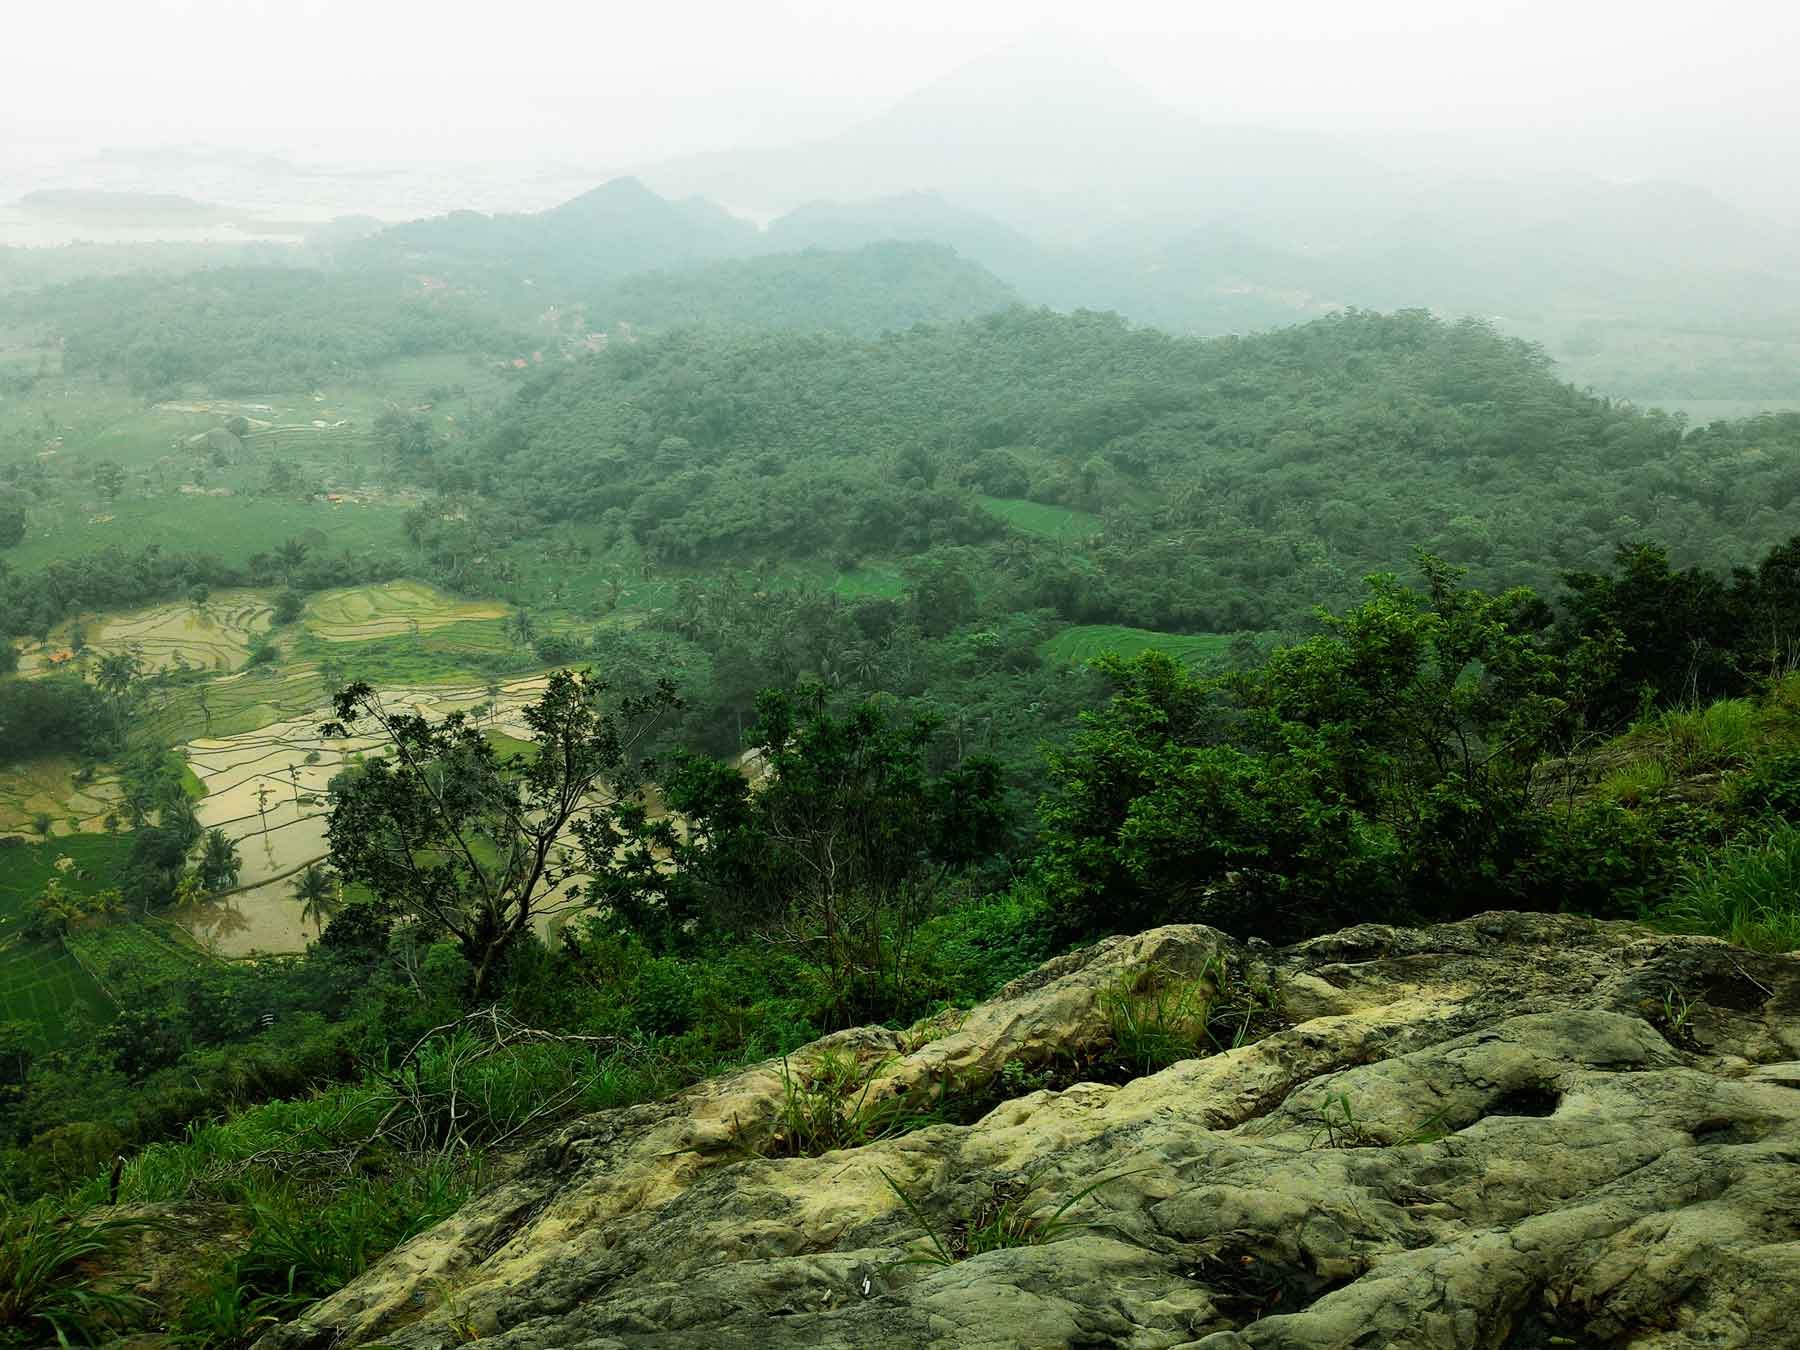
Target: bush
[
  {"x": 1771, "y": 787},
  {"x": 559, "y": 649},
  {"x": 288, "y": 607}
]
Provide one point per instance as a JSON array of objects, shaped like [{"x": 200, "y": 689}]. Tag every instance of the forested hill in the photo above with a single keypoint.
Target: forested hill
[
  {"x": 619, "y": 228},
  {"x": 1239, "y": 481},
  {"x": 865, "y": 291},
  {"x": 250, "y": 330}
]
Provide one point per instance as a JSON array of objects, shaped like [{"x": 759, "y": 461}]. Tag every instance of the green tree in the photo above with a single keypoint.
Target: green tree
[
  {"x": 317, "y": 893},
  {"x": 289, "y": 557},
  {"x": 841, "y": 847},
  {"x": 220, "y": 862},
  {"x": 444, "y": 829}
]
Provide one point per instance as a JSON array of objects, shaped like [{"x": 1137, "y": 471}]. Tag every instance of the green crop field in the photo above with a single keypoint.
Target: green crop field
[
  {"x": 231, "y": 527},
  {"x": 26, "y": 866},
  {"x": 40, "y": 983},
  {"x": 1083, "y": 642},
  {"x": 45, "y": 987},
  {"x": 1053, "y": 522},
  {"x": 135, "y": 949}
]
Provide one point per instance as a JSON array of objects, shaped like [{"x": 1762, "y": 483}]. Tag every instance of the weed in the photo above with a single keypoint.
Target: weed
[
  {"x": 1010, "y": 1218},
  {"x": 47, "y": 1295},
  {"x": 1714, "y": 737},
  {"x": 1636, "y": 782},
  {"x": 1154, "y": 1023},
  {"x": 833, "y": 1108},
  {"x": 1338, "y": 1125},
  {"x": 1677, "y": 1011}
]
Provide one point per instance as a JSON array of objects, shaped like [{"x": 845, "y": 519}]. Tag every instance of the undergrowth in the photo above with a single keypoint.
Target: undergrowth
[{"x": 48, "y": 1295}]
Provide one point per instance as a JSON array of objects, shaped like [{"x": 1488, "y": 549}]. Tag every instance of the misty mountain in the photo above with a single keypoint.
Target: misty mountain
[
  {"x": 877, "y": 288},
  {"x": 615, "y": 230},
  {"x": 1052, "y": 139},
  {"x": 922, "y": 216}
]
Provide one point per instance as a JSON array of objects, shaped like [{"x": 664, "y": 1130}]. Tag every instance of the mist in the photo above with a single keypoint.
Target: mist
[{"x": 1618, "y": 91}]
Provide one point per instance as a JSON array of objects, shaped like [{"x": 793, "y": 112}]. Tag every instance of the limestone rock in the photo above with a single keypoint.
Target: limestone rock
[{"x": 1518, "y": 1130}]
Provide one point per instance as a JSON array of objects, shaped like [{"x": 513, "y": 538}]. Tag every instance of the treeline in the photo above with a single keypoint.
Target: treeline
[
  {"x": 252, "y": 330},
  {"x": 1240, "y": 481},
  {"x": 32, "y": 603}
]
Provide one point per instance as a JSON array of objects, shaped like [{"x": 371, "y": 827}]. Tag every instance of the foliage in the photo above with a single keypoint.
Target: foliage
[
  {"x": 839, "y": 848},
  {"x": 1010, "y": 1217},
  {"x": 1380, "y": 770},
  {"x": 444, "y": 829}
]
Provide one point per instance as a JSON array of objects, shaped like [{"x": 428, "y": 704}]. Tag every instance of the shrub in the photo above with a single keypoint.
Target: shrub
[
  {"x": 288, "y": 607},
  {"x": 1771, "y": 787}
]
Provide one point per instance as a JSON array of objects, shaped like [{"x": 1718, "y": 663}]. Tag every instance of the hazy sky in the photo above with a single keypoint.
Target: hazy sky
[{"x": 1628, "y": 85}]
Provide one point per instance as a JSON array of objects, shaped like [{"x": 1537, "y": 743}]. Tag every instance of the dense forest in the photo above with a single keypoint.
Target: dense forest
[{"x": 1237, "y": 482}]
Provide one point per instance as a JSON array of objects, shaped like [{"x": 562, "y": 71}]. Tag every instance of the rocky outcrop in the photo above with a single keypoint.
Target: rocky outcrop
[{"x": 1518, "y": 1130}]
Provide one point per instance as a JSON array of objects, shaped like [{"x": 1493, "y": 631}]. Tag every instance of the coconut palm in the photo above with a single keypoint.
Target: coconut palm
[{"x": 317, "y": 893}]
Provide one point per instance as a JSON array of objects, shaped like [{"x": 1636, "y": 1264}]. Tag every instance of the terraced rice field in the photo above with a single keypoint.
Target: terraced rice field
[
  {"x": 42, "y": 985},
  {"x": 1083, "y": 642},
  {"x": 362, "y": 613},
  {"x": 48, "y": 786},
  {"x": 117, "y": 953},
  {"x": 218, "y": 635},
  {"x": 39, "y": 982},
  {"x": 266, "y": 789}
]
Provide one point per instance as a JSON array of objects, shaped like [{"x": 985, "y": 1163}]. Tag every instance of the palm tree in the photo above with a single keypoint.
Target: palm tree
[
  {"x": 317, "y": 895},
  {"x": 220, "y": 862},
  {"x": 289, "y": 557}
]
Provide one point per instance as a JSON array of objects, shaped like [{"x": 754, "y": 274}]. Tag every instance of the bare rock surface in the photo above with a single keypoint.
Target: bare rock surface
[{"x": 1517, "y": 1130}]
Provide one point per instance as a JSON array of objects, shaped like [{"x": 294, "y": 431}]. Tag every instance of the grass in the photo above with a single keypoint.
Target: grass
[
  {"x": 1718, "y": 736},
  {"x": 1747, "y": 892},
  {"x": 1635, "y": 782},
  {"x": 1052, "y": 522},
  {"x": 1010, "y": 1217},
  {"x": 831, "y": 1108},
  {"x": 48, "y": 1295},
  {"x": 1339, "y": 1127},
  {"x": 1155, "y": 1021},
  {"x": 1081, "y": 643}
]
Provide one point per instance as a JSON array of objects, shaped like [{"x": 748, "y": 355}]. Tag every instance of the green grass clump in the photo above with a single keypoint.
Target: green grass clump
[
  {"x": 1155, "y": 1021},
  {"x": 305, "y": 1244},
  {"x": 1717, "y": 736},
  {"x": 833, "y": 1107},
  {"x": 47, "y": 1295},
  {"x": 1638, "y": 781},
  {"x": 1747, "y": 892},
  {"x": 1012, "y": 1216}
]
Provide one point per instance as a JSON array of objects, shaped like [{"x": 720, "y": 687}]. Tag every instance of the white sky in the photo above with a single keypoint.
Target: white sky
[{"x": 616, "y": 81}]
